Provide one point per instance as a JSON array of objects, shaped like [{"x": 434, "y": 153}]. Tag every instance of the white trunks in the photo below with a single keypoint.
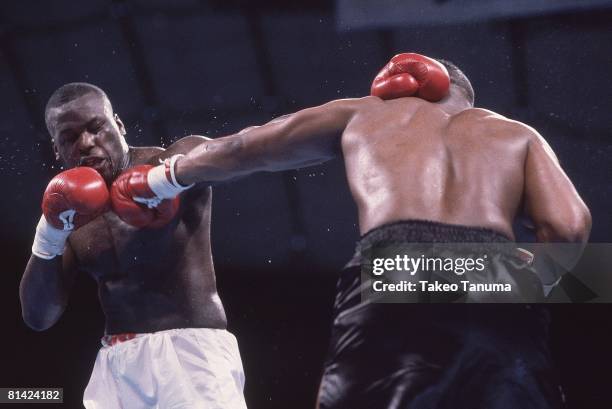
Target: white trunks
[{"x": 179, "y": 368}]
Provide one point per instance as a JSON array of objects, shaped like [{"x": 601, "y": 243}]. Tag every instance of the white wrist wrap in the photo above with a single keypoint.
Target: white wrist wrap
[
  {"x": 159, "y": 183},
  {"x": 49, "y": 241}
]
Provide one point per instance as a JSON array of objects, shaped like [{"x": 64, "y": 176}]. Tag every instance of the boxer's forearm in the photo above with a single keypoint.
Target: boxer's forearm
[
  {"x": 305, "y": 138},
  {"x": 275, "y": 146},
  {"x": 42, "y": 292},
  {"x": 213, "y": 161}
]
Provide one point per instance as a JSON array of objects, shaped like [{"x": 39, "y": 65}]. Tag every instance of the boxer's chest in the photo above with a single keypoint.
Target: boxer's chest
[{"x": 108, "y": 247}]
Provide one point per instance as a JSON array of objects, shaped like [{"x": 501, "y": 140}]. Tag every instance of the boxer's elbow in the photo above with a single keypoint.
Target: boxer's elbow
[
  {"x": 582, "y": 229},
  {"x": 571, "y": 228},
  {"x": 39, "y": 321},
  {"x": 36, "y": 323},
  {"x": 40, "y": 316}
]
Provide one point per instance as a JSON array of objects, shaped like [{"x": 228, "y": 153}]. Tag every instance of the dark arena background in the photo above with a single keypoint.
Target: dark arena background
[{"x": 174, "y": 68}]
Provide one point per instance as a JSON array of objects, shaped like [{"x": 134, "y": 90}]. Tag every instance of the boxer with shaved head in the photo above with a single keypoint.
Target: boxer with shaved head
[
  {"x": 423, "y": 166},
  {"x": 165, "y": 343}
]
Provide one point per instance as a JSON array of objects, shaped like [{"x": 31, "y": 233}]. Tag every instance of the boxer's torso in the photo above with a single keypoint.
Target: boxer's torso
[
  {"x": 408, "y": 159},
  {"x": 153, "y": 279}
]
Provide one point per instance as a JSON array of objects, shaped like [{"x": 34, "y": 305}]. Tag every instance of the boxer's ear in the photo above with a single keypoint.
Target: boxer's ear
[{"x": 120, "y": 125}]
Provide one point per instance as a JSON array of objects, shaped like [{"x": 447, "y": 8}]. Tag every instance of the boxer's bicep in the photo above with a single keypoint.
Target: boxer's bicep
[
  {"x": 305, "y": 138},
  {"x": 292, "y": 141},
  {"x": 551, "y": 200}
]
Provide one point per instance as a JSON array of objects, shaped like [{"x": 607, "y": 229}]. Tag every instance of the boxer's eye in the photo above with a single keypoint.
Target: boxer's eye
[{"x": 96, "y": 126}]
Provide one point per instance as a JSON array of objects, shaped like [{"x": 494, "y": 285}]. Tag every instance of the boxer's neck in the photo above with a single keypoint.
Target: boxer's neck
[
  {"x": 127, "y": 160},
  {"x": 453, "y": 105},
  {"x": 455, "y": 101}
]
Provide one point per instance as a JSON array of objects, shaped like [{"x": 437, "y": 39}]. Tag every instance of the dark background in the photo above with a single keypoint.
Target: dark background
[{"x": 172, "y": 68}]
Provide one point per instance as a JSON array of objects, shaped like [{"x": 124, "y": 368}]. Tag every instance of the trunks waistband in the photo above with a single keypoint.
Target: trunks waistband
[
  {"x": 425, "y": 231},
  {"x": 110, "y": 340}
]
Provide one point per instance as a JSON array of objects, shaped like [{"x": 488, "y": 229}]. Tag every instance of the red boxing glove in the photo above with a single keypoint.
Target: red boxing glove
[
  {"x": 136, "y": 204},
  {"x": 412, "y": 75},
  {"x": 74, "y": 198}
]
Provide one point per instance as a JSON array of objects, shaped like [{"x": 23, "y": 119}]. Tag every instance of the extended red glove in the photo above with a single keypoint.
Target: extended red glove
[
  {"x": 74, "y": 198},
  {"x": 411, "y": 75},
  {"x": 136, "y": 204}
]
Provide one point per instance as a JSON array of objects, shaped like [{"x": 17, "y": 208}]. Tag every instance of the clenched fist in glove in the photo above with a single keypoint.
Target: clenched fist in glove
[
  {"x": 72, "y": 198},
  {"x": 412, "y": 75},
  {"x": 147, "y": 196}
]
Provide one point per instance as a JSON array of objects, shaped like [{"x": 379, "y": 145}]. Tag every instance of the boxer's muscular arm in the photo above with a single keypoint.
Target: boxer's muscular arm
[
  {"x": 182, "y": 146},
  {"x": 275, "y": 120},
  {"x": 559, "y": 215},
  {"x": 44, "y": 289},
  {"x": 188, "y": 143},
  {"x": 558, "y": 212},
  {"x": 305, "y": 138},
  {"x": 72, "y": 199}
]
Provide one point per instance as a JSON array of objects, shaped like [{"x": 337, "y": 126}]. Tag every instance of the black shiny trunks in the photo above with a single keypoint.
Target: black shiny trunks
[{"x": 443, "y": 356}]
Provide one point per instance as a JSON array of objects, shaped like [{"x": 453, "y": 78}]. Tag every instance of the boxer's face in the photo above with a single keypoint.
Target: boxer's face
[{"x": 86, "y": 133}]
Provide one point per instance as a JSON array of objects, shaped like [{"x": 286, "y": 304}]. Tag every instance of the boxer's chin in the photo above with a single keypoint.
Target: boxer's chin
[{"x": 107, "y": 171}]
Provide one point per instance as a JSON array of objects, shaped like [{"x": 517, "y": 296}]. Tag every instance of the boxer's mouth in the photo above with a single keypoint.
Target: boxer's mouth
[{"x": 92, "y": 161}]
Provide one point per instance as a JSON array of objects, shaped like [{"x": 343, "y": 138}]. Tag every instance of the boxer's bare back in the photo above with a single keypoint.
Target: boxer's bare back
[{"x": 408, "y": 158}]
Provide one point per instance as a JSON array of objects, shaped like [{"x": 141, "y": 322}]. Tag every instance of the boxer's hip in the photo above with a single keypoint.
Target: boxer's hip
[
  {"x": 382, "y": 354},
  {"x": 434, "y": 243},
  {"x": 186, "y": 368}
]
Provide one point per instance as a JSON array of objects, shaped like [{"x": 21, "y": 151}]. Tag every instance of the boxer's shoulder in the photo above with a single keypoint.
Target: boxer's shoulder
[
  {"x": 492, "y": 123},
  {"x": 479, "y": 114},
  {"x": 151, "y": 155},
  {"x": 145, "y": 155},
  {"x": 374, "y": 106},
  {"x": 347, "y": 106},
  {"x": 404, "y": 101}
]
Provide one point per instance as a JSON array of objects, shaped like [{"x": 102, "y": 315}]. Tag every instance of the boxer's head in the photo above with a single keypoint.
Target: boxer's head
[
  {"x": 84, "y": 129},
  {"x": 458, "y": 81}
]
